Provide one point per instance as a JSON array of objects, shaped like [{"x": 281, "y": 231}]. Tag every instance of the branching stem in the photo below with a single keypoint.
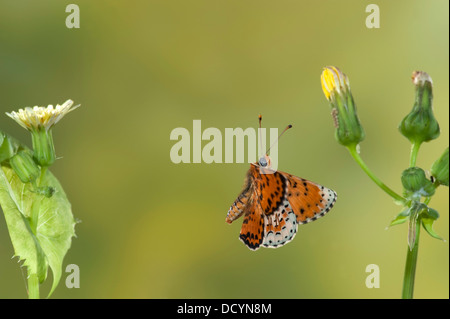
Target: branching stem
[{"x": 354, "y": 153}]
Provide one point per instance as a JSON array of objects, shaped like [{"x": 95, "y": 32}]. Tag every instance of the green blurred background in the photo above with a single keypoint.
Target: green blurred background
[{"x": 154, "y": 229}]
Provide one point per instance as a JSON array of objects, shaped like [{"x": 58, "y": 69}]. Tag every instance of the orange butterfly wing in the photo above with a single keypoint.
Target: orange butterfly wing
[
  {"x": 308, "y": 200},
  {"x": 270, "y": 187},
  {"x": 247, "y": 204},
  {"x": 242, "y": 203},
  {"x": 252, "y": 230}
]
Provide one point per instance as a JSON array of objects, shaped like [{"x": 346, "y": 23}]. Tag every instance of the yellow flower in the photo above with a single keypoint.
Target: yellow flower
[
  {"x": 333, "y": 80},
  {"x": 39, "y": 117},
  {"x": 336, "y": 87}
]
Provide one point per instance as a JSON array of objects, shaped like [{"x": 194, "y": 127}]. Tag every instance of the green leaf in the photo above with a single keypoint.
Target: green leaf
[
  {"x": 46, "y": 242},
  {"x": 431, "y": 213},
  {"x": 428, "y": 218},
  {"x": 401, "y": 218}
]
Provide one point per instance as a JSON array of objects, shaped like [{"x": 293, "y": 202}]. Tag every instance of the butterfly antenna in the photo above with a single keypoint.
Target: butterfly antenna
[
  {"x": 260, "y": 136},
  {"x": 287, "y": 128}
]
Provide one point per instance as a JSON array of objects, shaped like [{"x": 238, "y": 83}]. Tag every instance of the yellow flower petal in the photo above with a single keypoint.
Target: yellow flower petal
[{"x": 333, "y": 80}]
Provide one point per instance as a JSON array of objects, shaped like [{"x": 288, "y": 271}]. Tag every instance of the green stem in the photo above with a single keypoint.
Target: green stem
[
  {"x": 414, "y": 151},
  {"x": 43, "y": 171},
  {"x": 410, "y": 267},
  {"x": 36, "y": 203},
  {"x": 33, "y": 286},
  {"x": 35, "y": 206},
  {"x": 358, "y": 159},
  {"x": 411, "y": 255}
]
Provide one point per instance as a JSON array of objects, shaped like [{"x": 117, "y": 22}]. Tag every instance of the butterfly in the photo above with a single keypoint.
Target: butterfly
[{"x": 274, "y": 203}]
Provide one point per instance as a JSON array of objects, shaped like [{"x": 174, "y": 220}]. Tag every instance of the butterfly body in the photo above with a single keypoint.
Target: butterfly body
[{"x": 274, "y": 203}]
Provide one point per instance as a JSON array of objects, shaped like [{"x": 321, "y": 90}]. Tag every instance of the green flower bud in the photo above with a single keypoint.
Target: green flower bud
[
  {"x": 420, "y": 124},
  {"x": 44, "y": 150},
  {"x": 416, "y": 183},
  {"x": 336, "y": 88},
  {"x": 439, "y": 169},
  {"x": 8, "y": 147},
  {"x": 25, "y": 167}
]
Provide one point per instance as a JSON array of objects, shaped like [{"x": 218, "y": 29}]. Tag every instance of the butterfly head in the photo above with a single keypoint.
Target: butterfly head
[{"x": 265, "y": 161}]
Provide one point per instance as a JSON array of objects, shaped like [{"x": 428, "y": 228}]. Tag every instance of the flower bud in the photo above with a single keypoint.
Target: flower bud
[
  {"x": 8, "y": 147},
  {"x": 439, "y": 169},
  {"x": 44, "y": 150},
  {"x": 420, "y": 124},
  {"x": 25, "y": 167},
  {"x": 416, "y": 183},
  {"x": 336, "y": 88}
]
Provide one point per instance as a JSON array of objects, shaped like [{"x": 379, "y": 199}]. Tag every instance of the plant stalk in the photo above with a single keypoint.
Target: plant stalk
[
  {"x": 36, "y": 204},
  {"x": 33, "y": 286},
  {"x": 410, "y": 267},
  {"x": 33, "y": 280},
  {"x": 414, "y": 151},
  {"x": 354, "y": 153}
]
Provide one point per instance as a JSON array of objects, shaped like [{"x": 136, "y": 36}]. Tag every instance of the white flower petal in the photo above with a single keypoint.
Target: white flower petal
[{"x": 41, "y": 117}]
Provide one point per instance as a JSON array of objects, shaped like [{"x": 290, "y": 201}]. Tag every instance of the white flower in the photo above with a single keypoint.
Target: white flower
[{"x": 41, "y": 117}]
